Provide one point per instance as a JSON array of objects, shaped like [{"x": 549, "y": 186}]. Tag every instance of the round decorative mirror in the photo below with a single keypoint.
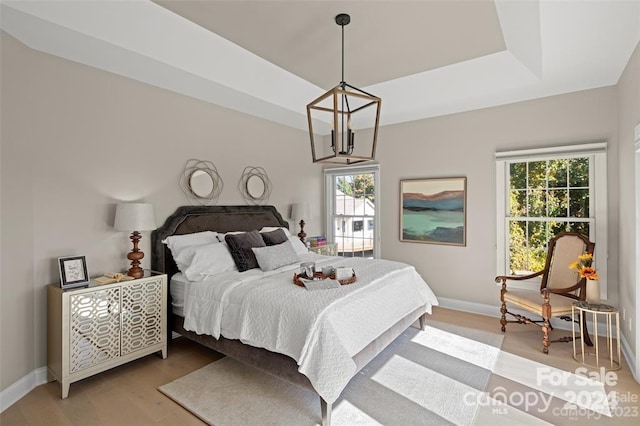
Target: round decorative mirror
[
  {"x": 201, "y": 183},
  {"x": 255, "y": 187}
]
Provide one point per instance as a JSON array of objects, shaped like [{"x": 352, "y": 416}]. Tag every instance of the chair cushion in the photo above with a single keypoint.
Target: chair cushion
[{"x": 532, "y": 301}]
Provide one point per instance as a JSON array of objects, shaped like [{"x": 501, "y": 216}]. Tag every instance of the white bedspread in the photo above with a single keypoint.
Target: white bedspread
[{"x": 321, "y": 329}]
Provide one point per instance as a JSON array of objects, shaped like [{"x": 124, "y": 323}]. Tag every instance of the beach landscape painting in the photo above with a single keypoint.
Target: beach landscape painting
[{"x": 433, "y": 211}]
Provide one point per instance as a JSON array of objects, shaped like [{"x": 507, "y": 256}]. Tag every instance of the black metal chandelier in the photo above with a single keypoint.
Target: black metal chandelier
[{"x": 335, "y": 116}]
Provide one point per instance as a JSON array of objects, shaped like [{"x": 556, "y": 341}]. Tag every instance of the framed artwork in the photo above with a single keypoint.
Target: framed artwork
[
  {"x": 434, "y": 211},
  {"x": 73, "y": 271}
]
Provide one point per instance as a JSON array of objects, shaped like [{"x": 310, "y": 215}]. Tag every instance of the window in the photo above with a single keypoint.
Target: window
[
  {"x": 351, "y": 206},
  {"x": 541, "y": 193}
]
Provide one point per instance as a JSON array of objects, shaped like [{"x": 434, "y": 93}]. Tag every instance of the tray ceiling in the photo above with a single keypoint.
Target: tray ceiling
[{"x": 270, "y": 58}]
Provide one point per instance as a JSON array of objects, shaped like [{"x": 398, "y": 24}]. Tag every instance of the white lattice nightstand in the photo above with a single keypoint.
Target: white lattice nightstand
[
  {"x": 93, "y": 329},
  {"x": 327, "y": 250}
]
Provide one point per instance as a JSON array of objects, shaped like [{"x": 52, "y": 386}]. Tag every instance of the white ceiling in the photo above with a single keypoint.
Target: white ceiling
[{"x": 271, "y": 58}]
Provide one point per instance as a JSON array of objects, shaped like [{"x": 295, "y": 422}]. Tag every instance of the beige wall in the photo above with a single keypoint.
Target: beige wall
[
  {"x": 628, "y": 91},
  {"x": 464, "y": 145},
  {"x": 74, "y": 141}
]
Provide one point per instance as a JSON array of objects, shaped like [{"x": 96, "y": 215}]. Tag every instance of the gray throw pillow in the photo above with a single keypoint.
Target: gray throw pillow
[
  {"x": 274, "y": 237},
  {"x": 272, "y": 257}
]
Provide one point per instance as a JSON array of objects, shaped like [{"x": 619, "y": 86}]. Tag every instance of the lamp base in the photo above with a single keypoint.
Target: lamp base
[
  {"x": 302, "y": 235},
  {"x": 135, "y": 256},
  {"x": 135, "y": 272}
]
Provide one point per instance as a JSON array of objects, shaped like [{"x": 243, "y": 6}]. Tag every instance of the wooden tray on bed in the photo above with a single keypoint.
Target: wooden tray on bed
[{"x": 320, "y": 275}]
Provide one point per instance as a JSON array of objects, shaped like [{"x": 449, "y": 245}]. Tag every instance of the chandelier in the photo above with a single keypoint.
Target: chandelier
[{"x": 335, "y": 116}]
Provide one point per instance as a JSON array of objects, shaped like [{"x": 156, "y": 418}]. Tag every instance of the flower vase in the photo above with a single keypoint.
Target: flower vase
[{"x": 593, "y": 292}]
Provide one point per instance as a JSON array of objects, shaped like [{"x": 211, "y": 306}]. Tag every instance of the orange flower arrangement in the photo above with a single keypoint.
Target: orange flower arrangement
[{"x": 583, "y": 267}]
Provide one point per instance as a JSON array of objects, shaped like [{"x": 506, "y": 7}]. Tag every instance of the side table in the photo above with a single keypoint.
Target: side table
[
  {"x": 330, "y": 249},
  {"x": 597, "y": 311},
  {"x": 93, "y": 329}
]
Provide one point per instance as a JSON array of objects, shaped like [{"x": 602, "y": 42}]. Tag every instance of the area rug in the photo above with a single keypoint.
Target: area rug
[{"x": 433, "y": 376}]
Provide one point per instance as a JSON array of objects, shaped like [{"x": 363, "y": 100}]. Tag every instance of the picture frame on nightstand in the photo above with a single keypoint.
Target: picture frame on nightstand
[{"x": 73, "y": 271}]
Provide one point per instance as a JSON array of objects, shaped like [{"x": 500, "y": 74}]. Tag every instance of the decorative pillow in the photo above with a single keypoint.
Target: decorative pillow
[
  {"x": 273, "y": 228},
  {"x": 275, "y": 256},
  {"x": 240, "y": 246},
  {"x": 272, "y": 238},
  {"x": 221, "y": 236},
  {"x": 177, "y": 243},
  {"x": 199, "y": 262},
  {"x": 298, "y": 245}
]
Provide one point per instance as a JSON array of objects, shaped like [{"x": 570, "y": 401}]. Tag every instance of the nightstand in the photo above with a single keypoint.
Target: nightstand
[
  {"x": 327, "y": 250},
  {"x": 93, "y": 329}
]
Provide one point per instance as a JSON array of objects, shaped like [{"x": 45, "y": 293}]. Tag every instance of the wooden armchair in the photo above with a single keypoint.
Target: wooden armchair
[{"x": 560, "y": 287}]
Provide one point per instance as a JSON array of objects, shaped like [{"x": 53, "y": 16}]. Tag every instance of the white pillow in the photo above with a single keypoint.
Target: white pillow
[
  {"x": 273, "y": 228},
  {"x": 272, "y": 257},
  {"x": 199, "y": 262},
  {"x": 298, "y": 245},
  {"x": 177, "y": 243}
]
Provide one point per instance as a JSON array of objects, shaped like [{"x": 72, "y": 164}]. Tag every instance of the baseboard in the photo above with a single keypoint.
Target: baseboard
[
  {"x": 26, "y": 384},
  {"x": 470, "y": 307},
  {"x": 494, "y": 311},
  {"x": 628, "y": 354}
]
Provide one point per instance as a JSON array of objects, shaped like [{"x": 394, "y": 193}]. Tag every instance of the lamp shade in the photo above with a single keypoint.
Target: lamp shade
[
  {"x": 300, "y": 211},
  {"x": 134, "y": 217}
]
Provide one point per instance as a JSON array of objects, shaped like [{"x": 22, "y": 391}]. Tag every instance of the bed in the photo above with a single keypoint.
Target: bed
[{"x": 317, "y": 348}]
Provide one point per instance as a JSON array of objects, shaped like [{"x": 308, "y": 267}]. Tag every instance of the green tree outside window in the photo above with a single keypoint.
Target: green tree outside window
[{"x": 545, "y": 198}]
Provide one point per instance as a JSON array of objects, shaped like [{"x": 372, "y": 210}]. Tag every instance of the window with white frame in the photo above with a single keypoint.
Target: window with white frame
[
  {"x": 352, "y": 199},
  {"x": 542, "y": 192}
]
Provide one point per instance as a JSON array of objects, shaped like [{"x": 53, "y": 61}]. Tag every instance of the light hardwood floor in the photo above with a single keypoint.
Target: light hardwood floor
[{"x": 128, "y": 395}]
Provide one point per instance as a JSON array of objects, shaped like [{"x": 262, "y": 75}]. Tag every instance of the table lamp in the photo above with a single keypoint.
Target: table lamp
[
  {"x": 135, "y": 217},
  {"x": 300, "y": 211}
]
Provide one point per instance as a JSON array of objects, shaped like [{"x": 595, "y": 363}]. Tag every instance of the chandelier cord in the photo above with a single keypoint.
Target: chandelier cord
[
  {"x": 343, "y": 98},
  {"x": 342, "y": 81}
]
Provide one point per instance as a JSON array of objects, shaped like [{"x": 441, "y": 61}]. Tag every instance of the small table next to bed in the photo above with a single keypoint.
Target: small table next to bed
[
  {"x": 329, "y": 249},
  {"x": 98, "y": 327}
]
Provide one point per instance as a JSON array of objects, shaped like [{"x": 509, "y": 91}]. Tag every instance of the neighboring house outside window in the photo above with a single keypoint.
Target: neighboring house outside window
[
  {"x": 351, "y": 195},
  {"x": 542, "y": 192}
]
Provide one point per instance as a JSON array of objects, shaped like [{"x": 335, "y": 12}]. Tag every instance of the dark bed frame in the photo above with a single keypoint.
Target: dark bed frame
[{"x": 190, "y": 219}]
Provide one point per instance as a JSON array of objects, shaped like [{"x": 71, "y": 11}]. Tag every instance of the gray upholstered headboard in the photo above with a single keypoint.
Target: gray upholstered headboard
[{"x": 190, "y": 219}]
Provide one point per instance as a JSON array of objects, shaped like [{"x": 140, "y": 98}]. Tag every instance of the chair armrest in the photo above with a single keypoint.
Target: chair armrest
[
  {"x": 568, "y": 292},
  {"x": 504, "y": 278}
]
